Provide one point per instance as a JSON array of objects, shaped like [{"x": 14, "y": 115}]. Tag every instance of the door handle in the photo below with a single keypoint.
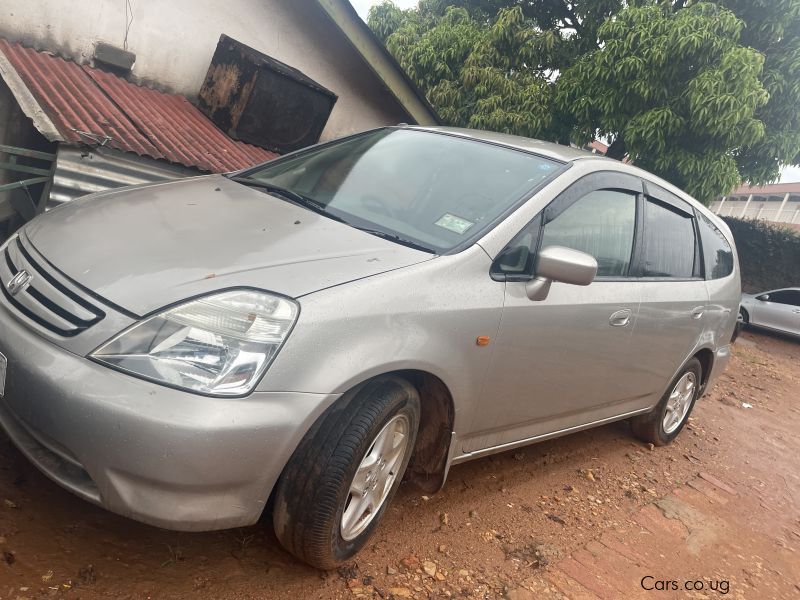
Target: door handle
[
  {"x": 698, "y": 311},
  {"x": 796, "y": 311},
  {"x": 620, "y": 318}
]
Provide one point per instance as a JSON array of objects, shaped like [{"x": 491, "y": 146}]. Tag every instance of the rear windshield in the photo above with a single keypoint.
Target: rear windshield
[{"x": 435, "y": 190}]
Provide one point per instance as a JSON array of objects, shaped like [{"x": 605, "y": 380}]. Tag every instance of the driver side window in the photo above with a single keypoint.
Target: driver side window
[{"x": 602, "y": 224}]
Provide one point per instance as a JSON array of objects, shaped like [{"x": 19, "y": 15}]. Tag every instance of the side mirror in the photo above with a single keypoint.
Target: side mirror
[
  {"x": 557, "y": 263},
  {"x": 763, "y": 297}
]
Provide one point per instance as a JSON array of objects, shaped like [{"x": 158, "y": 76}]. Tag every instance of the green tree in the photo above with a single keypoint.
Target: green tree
[
  {"x": 477, "y": 73},
  {"x": 566, "y": 28},
  {"x": 675, "y": 91},
  {"x": 772, "y": 28},
  {"x": 703, "y": 93}
]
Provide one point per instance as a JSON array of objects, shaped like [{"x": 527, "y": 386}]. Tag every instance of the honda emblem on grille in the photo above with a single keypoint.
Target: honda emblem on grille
[{"x": 19, "y": 283}]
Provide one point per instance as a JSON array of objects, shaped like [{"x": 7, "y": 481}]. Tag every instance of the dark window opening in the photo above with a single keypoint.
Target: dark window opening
[{"x": 669, "y": 242}]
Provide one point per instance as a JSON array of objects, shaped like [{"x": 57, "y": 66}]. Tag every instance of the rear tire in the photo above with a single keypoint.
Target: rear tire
[
  {"x": 352, "y": 458},
  {"x": 666, "y": 420}
]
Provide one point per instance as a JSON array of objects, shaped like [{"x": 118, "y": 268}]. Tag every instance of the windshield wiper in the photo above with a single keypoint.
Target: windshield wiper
[
  {"x": 287, "y": 194},
  {"x": 394, "y": 238},
  {"x": 319, "y": 208}
]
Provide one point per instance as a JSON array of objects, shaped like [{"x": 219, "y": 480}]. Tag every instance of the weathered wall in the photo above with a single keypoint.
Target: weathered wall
[{"x": 175, "y": 39}]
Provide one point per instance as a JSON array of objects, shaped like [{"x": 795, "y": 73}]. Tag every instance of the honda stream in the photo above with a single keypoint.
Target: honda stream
[{"x": 313, "y": 330}]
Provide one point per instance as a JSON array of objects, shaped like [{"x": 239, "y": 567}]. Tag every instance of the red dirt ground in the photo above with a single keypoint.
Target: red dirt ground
[{"x": 585, "y": 516}]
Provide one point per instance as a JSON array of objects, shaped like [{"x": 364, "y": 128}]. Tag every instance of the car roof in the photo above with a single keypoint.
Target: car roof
[
  {"x": 546, "y": 149},
  {"x": 569, "y": 154}
]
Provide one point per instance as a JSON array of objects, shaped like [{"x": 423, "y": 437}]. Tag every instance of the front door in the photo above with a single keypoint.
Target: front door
[{"x": 559, "y": 363}]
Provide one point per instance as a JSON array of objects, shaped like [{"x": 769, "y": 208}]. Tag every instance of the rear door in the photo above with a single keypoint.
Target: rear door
[{"x": 674, "y": 296}]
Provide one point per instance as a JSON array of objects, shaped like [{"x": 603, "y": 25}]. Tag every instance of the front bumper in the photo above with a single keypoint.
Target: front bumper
[{"x": 158, "y": 455}]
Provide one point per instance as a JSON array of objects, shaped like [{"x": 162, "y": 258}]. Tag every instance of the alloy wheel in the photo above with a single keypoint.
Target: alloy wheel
[
  {"x": 679, "y": 402},
  {"x": 375, "y": 477}
]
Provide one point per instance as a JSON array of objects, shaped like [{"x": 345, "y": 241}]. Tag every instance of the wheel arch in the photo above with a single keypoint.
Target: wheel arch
[
  {"x": 706, "y": 358},
  {"x": 428, "y": 466}
]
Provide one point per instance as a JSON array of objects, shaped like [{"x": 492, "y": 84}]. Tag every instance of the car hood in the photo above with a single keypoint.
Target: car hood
[{"x": 147, "y": 247}]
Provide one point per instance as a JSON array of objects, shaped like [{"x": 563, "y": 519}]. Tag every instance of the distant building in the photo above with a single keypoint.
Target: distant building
[
  {"x": 778, "y": 203},
  {"x": 596, "y": 147}
]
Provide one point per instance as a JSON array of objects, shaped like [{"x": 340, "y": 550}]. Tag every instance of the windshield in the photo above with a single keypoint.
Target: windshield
[{"x": 431, "y": 190}]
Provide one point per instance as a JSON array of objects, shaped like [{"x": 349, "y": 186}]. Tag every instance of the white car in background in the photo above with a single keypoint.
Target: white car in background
[{"x": 777, "y": 309}]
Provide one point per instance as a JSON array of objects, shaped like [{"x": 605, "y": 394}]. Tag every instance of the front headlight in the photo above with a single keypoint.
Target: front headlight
[{"x": 219, "y": 344}]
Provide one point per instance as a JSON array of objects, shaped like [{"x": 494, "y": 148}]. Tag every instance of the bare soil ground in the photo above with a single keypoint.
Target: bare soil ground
[{"x": 588, "y": 515}]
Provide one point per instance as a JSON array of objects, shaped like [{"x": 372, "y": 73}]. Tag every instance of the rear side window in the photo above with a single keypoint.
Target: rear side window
[
  {"x": 602, "y": 224},
  {"x": 717, "y": 252},
  {"x": 669, "y": 242}
]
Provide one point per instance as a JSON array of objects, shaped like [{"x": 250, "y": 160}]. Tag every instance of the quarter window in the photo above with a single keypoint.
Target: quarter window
[
  {"x": 602, "y": 224},
  {"x": 515, "y": 260},
  {"x": 669, "y": 242},
  {"x": 717, "y": 252}
]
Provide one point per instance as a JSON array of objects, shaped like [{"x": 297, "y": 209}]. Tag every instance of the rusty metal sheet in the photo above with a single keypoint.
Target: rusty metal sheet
[
  {"x": 257, "y": 99},
  {"x": 80, "y": 172},
  {"x": 177, "y": 128},
  {"x": 77, "y": 107},
  {"x": 98, "y": 109}
]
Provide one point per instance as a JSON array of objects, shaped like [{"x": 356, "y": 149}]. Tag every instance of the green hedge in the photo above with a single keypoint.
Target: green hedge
[{"x": 769, "y": 254}]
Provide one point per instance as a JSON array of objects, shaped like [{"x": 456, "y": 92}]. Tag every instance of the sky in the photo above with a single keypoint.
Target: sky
[
  {"x": 362, "y": 6},
  {"x": 788, "y": 174}
]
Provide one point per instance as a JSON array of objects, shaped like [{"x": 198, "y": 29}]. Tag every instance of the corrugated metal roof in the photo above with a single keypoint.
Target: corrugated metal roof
[
  {"x": 96, "y": 108},
  {"x": 79, "y": 172}
]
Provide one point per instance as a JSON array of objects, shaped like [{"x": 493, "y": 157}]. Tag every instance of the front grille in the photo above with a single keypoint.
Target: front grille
[{"x": 50, "y": 300}]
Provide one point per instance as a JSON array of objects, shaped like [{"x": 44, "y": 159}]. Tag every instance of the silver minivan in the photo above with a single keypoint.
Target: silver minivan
[{"x": 308, "y": 332}]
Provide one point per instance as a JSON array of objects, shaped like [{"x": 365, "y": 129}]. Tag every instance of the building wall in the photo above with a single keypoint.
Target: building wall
[
  {"x": 762, "y": 208},
  {"x": 174, "y": 41}
]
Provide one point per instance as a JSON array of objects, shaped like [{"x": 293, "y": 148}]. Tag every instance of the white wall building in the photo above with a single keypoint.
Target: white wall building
[
  {"x": 779, "y": 203},
  {"x": 174, "y": 41},
  {"x": 73, "y": 122}
]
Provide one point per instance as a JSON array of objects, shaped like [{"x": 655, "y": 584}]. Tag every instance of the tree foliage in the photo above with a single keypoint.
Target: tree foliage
[
  {"x": 675, "y": 91},
  {"x": 773, "y": 28},
  {"x": 703, "y": 93},
  {"x": 476, "y": 74}
]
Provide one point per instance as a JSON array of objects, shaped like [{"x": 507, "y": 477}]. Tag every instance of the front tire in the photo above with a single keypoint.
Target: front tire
[
  {"x": 665, "y": 422},
  {"x": 343, "y": 475},
  {"x": 744, "y": 317}
]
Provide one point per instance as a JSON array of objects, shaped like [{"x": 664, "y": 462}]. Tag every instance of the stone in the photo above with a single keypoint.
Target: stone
[{"x": 429, "y": 567}]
